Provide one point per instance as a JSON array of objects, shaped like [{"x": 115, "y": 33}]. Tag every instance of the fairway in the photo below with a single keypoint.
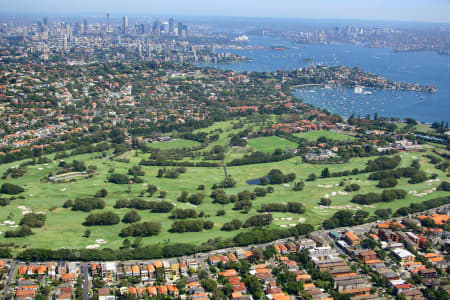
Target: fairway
[
  {"x": 314, "y": 135},
  {"x": 64, "y": 227},
  {"x": 174, "y": 144},
  {"x": 270, "y": 143}
]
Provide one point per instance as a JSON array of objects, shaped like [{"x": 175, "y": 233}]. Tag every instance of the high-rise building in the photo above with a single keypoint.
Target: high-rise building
[
  {"x": 180, "y": 29},
  {"x": 157, "y": 28},
  {"x": 45, "y": 21},
  {"x": 108, "y": 22},
  {"x": 171, "y": 26},
  {"x": 125, "y": 25},
  {"x": 85, "y": 25},
  {"x": 65, "y": 43}
]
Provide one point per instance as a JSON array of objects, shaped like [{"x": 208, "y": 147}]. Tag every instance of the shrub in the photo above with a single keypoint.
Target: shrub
[
  {"x": 233, "y": 225},
  {"x": 118, "y": 179},
  {"x": 184, "y": 213},
  {"x": 444, "y": 186},
  {"x": 33, "y": 220},
  {"x": 22, "y": 232},
  {"x": 101, "y": 193},
  {"x": 88, "y": 204},
  {"x": 325, "y": 201},
  {"x": 387, "y": 182},
  {"x": 141, "y": 229},
  {"x": 131, "y": 217},
  {"x": 11, "y": 189},
  {"x": 258, "y": 220},
  {"x": 102, "y": 219}
]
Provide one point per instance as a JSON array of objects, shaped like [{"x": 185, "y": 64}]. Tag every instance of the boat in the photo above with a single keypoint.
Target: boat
[{"x": 358, "y": 90}]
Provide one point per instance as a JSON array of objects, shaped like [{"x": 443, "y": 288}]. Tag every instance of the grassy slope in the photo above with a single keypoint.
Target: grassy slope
[
  {"x": 174, "y": 144},
  {"x": 314, "y": 135},
  {"x": 270, "y": 143}
]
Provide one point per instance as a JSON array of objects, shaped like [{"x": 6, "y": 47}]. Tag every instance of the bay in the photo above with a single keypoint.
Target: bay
[{"x": 425, "y": 68}]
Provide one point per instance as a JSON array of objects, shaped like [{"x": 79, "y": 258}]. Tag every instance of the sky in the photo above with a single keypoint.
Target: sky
[{"x": 401, "y": 10}]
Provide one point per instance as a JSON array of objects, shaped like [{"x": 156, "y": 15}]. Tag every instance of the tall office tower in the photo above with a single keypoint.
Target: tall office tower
[
  {"x": 171, "y": 26},
  {"x": 184, "y": 32},
  {"x": 180, "y": 29},
  {"x": 165, "y": 28},
  {"x": 65, "y": 43},
  {"x": 77, "y": 30},
  {"x": 108, "y": 22},
  {"x": 125, "y": 25},
  {"x": 85, "y": 26},
  {"x": 157, "y": 28},
  {"x": 45, "y": 21}
]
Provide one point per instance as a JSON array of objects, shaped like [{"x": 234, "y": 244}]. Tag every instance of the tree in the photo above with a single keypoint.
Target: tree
[
  {"x": 325, "y": 201},
  {"x": 87, "y": 233},
  {"x": 269, "y": 252},
  {"x": 131, "y": 217},
  {"x": 101, "y": 193},
  {"x": 209, "y": 285},
  {"x": 101, "y": 219},
  {"x": 11, "y": 189},
  {"x": 325, "y": 173},
  {"x": 118, "y": 179},
  {"x": 311, "y": 177},
  {"x": 387, "y": 182},
  {"x": 33, "y": 220}
]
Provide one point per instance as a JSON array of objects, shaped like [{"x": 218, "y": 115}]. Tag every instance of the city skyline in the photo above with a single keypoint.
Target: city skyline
[{"x": 401, "y": 10}]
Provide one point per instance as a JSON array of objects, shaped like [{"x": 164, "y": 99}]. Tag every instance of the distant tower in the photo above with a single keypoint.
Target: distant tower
[
  {"x": 65, "y": 43},
  {"x": 171, "y": 26},
  {"x": 108, "y": 22},
  {"x": 157, "y": 28},
  {"x": 180, "y": 29},
  {"x": 85, "y": 25},
  {"x": 125, "y": 25},
  {"x": 45, "y": 21}
]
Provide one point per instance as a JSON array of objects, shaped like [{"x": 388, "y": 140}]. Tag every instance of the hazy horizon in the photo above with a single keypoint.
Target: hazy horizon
[{"x": 433, "y": 11}]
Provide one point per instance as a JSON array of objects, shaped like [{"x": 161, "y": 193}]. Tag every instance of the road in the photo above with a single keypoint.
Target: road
[
  {"x": 11, "y": 273},
  {"x": 85, "y": 278}
]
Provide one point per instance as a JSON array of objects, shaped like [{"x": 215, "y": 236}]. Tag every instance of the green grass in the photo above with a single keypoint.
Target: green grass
[
  {"x": 174, "y": 144},
  {"x": 270, "y": 143},
  {"x": 64, "y": 227},
  {"x": 314, "y": 135}
]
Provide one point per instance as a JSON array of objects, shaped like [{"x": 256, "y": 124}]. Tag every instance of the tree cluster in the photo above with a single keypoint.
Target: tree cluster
[
  {"x": 191, "y": 226},
  {"x": 102, "y": 219},
  {"x": 292, "y": 207},
  {"x": 141, "y": 229}
]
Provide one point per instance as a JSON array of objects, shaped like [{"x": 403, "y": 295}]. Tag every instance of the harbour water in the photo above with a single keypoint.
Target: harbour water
[{"x": 425, "y": 68}]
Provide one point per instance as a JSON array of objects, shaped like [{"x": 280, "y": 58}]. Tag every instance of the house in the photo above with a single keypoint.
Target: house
[
  {"x": 428, "y": 273},
  {"x": 351, "y": 238},
  {"x": 183, "y": 269},
  {"x": 136, "y": 271},
  {"x": 292, "y": 266},
  {"x": 320, "y": 241},
  {"x": 367, "y": 255},
  {"x": 152, "y": 291},
  {"x": 306, "y": 244},
  {"x": 68, "y": 277},
  {"x": 105, "y": 294},
  {"x": 403, "y": 255}
]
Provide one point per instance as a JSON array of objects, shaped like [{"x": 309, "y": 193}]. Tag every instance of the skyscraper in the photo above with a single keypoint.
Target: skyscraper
[
  {"x": 157, "y": 28},
  {"x": 180, "y": 29},
  {"x": 108, "y": 22},
  {"x": 125, "y": 25},
  {"x": 171, "y": 26},
  {"x": 45, "y": 21},
  {"x": 65, "y": 43},
  {"x": 85, "y": 25}
]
